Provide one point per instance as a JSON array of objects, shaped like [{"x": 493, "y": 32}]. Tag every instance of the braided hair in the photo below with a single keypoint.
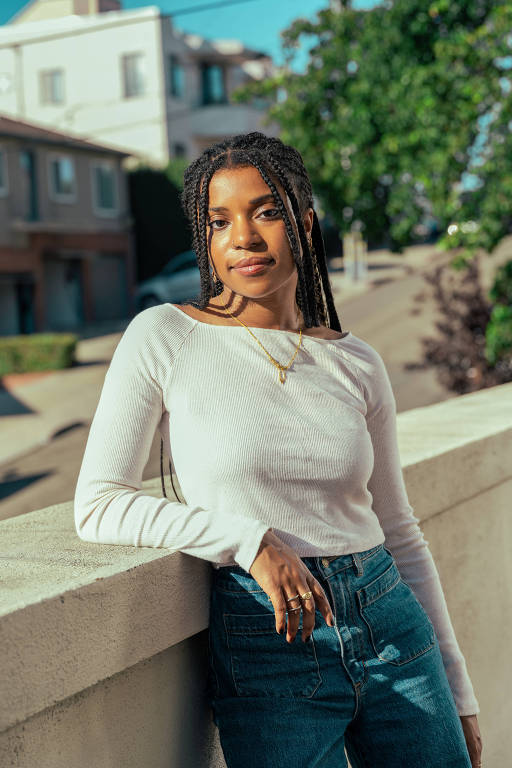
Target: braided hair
[{"x": 275, "y": 161}]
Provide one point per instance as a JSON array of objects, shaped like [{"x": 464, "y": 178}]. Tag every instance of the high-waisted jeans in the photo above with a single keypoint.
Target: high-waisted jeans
[{"x": 374, "y": 683}]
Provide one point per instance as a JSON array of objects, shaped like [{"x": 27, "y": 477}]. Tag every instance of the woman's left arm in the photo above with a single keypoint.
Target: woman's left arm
[{"x": 406, "y": 542}]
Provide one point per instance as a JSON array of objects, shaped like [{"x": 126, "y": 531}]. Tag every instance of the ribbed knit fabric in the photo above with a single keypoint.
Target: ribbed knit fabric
[{"x": 315, "y": 458}]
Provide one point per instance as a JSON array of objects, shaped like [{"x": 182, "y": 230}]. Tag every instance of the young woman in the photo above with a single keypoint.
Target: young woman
[{"x": 282, "y": 432}]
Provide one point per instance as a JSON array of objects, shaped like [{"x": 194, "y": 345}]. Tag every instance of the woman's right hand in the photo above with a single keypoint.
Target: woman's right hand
[{"x": 281, "y": 573}]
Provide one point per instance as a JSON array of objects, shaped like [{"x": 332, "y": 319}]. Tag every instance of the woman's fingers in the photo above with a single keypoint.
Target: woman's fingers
[
  {"x": 285, "y": 615},
  {"x": 321, "y": 600},
  {"x": 307, "y": 605},
  {"x": 282, "y": 574},
  {"x": 280, "y": 608},
  {"x": 293, "y": 615}
]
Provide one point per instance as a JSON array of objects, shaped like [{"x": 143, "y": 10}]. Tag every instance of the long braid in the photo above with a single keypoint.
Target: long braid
[
  {"x": 321, "y": 261},
  {"x": 318, "y": 290},
  {"x": 203, "y": 211},
  {"x": 326, "y": 308},
  {"x": 303, "y": 282},
  {"x": 305, "y": 268},
  {"x": 273, "y": 159}
]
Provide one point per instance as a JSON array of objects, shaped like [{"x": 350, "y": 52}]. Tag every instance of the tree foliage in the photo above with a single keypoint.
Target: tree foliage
[
  {"x": 396, "y": 105},
  {"x": 160, "y": 227}
]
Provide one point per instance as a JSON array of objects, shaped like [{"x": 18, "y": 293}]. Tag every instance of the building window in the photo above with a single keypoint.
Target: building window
[
  {"x": 176, "y": 78},
  {"x": 134, "y": 74},
  {"x": 213, "y": 86},
  {"x": 62, "y": 179},
  {"x": 179, "y": 149},
  {"x": 104, "y": 188},
  {"x": 3, "y": 172},
  {"x": 51, "y": 86}
]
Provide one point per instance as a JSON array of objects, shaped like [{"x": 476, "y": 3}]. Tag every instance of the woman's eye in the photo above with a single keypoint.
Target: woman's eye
[{"x": 272, "y": 211}]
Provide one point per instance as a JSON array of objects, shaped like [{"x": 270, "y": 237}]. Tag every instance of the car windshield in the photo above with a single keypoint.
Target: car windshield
[{"x": 182, "y": 261}]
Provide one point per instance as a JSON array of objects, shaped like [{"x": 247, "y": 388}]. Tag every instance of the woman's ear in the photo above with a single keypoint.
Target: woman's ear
[{"x": 308, "y": 221}]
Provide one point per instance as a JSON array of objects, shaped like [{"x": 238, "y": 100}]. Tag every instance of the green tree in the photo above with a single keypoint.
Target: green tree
[
  {"x": 161, "y": 229},
  {"x": 395, "y": 106},
  {"x": 175, "y": 169}
]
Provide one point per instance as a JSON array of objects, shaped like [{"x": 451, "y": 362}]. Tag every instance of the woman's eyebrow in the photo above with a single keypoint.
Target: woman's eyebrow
[{"x": 255, "y": 201}]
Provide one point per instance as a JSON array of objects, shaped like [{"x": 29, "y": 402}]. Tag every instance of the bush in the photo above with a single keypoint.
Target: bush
[
  {"x": 37, "y": 352},
  {"x": 498, "y": 334},
  {"x": 474, "y": 350}
]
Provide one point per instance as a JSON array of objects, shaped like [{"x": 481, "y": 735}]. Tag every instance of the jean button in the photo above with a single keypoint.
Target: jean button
[{"x": 325, "y": 561}]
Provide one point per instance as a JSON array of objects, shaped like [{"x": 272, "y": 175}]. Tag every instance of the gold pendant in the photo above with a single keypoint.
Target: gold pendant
[{"x": 282, "y": 375}]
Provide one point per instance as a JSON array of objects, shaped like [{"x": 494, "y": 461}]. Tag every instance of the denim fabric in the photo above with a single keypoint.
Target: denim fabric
[{"x": 374, "y": 683}]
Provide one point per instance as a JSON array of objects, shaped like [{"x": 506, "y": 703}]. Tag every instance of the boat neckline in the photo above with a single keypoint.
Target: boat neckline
[{"x": 257, "y": 327}]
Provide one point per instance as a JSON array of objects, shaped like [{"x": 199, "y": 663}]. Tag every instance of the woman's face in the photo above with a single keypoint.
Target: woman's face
[{"x": 249, "y": 224}]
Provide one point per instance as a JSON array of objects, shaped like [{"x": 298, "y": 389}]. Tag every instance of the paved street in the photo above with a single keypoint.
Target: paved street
[{"x": 384, "y": 313}]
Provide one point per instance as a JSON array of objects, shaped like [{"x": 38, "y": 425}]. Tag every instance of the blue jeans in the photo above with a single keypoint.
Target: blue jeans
[{"x": 374, "y": 683}]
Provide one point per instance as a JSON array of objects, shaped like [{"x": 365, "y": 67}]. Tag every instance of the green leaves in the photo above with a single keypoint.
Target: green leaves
[{"x": 405, "y": 87}]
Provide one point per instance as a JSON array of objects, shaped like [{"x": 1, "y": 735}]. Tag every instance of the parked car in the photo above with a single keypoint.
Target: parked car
[{"x": 178, "y": 281}]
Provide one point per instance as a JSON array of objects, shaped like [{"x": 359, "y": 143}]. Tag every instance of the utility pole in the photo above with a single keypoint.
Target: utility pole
[{"x": 355, "y": 260}]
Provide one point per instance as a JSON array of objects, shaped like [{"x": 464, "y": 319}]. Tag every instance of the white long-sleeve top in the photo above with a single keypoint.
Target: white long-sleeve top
[{"x": 315, "y": 458}]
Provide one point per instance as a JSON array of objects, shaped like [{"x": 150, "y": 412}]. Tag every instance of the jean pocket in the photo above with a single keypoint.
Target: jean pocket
[
  {"x": 400, "y": 629},
  {"x": 235, "y": 581},
  {"x": 264, "y": 663}
]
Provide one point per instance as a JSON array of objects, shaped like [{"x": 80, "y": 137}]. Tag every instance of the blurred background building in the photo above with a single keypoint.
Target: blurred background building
[
  {"x": 126, "y": 77},
  {"x": 65, "y": 240},
  {"x": 89, "y": 91}
]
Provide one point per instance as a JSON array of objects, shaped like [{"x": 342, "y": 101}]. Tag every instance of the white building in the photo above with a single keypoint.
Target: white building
[{"x": 129, "y": 78}]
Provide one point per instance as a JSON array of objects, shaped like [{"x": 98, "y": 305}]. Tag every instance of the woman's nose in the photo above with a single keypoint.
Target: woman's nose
[{"x": 243, "y": 233}]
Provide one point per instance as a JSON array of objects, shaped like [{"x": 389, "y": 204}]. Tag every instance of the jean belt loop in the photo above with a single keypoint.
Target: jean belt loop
[{"x": 357, "y": 564}]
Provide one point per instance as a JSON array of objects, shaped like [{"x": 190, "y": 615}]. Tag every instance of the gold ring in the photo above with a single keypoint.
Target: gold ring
[{"x": 307, "y": 595}]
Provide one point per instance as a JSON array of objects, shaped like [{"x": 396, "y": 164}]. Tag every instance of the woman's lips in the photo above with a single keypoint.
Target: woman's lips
[{"x": 253, "y": 269}]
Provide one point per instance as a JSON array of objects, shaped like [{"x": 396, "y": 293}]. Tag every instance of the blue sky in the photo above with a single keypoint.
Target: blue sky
[{"x": 256, "y": 23}]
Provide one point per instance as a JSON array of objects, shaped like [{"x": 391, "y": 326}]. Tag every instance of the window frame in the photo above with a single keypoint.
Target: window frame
[
  {"x": 58, "y": 197},
  {"x": 124, "y": 81},
  {"x": 49, "y": 102},
  {"x": 208, "y": 65},
  {"x": 179, "y": 154},
  {"x": 174, "y": 60},
  {"x": 105, "y": 213}
]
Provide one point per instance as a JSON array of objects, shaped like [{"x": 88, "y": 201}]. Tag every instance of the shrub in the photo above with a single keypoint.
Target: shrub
[
  {"x": 37, "y": 352},
  {"x": 474, "y": 349}
]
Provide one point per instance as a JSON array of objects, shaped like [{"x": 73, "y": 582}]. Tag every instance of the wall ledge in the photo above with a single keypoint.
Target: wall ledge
[{"x": 73, "y": 613}]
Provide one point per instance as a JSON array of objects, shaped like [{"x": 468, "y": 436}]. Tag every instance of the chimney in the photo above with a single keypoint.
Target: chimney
[{"x": 88, "y": 7}]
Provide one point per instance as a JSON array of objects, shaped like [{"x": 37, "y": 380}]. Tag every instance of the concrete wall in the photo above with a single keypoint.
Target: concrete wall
[{"x": 104, "y": 647}]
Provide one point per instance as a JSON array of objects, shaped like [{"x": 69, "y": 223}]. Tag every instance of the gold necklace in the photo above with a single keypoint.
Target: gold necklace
[{"x": 282, "y": 368}]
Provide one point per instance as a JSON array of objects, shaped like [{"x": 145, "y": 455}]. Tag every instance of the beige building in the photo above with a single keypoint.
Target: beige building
[
  {"x": 66, "y": 255},
  {"x": 126, "y": 77}
]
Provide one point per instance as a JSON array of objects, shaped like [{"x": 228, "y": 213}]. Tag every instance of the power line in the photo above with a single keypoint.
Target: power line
[{"x": 207, "y": 6}]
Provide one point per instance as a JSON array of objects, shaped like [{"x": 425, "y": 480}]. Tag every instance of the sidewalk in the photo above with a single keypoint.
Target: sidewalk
[{"x": 34, "y": 407}]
